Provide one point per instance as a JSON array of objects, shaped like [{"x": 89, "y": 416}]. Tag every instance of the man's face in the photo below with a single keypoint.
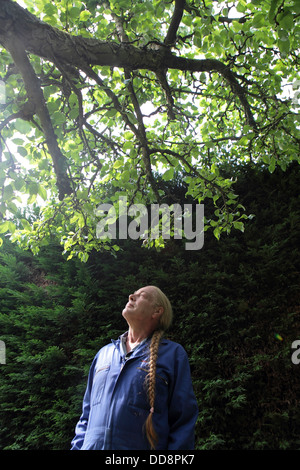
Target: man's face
[{"x": 141, "y": 304}]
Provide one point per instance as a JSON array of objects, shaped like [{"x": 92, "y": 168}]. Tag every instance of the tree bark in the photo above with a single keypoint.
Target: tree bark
[
  {"x": 51, "y": 43},
  {"x": 46, "y": 41}
]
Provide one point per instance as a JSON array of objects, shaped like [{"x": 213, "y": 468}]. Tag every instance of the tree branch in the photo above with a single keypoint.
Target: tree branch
[
  {"x": 141, "y": 134},
  {"x": 162, "y": 78},
  {"x": 193, "y": 171},
  {"x": 51, "y": 43},
  {"x": 214, "y": 65},
  {"x": 170, "y": 38},
  {"x": 37, "y": 105}
]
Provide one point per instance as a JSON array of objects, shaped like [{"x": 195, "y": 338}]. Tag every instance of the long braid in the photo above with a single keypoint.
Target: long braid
[
  {"x": 150, "y": 382},
  {"x": 164, "y": 323}
]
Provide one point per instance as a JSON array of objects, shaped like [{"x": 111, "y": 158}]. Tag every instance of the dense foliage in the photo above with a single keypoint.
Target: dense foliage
[
  {"x": 236, "y": 306},
  {"x": 115, "y": 91}
]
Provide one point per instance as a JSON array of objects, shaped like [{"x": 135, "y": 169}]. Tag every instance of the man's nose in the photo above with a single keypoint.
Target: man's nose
[{"x": 132, "y": 297}]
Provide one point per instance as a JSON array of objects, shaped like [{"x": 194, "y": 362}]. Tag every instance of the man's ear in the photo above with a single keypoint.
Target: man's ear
[{"x": 158, "y": 312}]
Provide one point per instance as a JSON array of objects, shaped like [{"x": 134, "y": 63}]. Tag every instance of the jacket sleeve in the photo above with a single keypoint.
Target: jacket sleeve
[
  {"x": 81, "y": 426},
  {"x": 183, "y": 408}
]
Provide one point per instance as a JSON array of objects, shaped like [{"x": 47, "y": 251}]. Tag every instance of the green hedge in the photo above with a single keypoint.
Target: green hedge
[{"x": 231, "y": 301}]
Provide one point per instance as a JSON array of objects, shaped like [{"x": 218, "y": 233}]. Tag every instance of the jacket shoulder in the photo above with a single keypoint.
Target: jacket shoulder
[
  {"x": 104, "y": 354},
  {"x": 106, "y": 350},
  {"x": 172, "y": 346}
]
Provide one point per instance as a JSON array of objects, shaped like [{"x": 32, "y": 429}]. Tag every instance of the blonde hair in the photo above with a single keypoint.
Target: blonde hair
[{"x": 164, "y": 323}]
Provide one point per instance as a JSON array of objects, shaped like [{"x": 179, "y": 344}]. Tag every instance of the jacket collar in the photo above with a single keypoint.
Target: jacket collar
[{"x": 139, "y": 350}]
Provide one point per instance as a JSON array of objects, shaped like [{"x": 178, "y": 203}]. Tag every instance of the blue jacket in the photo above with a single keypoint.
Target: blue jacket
[{"x": 115, "y": 404}]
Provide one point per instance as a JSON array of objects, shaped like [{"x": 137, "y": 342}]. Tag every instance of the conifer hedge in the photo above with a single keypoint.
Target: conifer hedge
[{"x": 236, "y": 306}]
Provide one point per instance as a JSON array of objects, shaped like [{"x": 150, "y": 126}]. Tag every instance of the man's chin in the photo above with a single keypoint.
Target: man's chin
[{"x": 125, "y": 311}]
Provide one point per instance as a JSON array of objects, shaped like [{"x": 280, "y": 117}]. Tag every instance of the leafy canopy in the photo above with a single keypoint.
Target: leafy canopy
[{"x": 119, "y": 97}]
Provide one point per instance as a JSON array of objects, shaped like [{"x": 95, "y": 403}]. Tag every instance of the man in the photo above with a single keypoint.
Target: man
[{"x": 139, "y": 393}]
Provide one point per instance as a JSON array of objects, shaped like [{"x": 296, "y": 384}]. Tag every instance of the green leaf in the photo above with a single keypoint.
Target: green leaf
[
  {"x": 58, "y": 118},
  {"x": 7, "y": 192},
  {"x": 239, "y": 226},
  {"x": 284, "y": 47},
  {"x": 74, "y": 13},
  {"x": 23, "y": 126},
  {"x": 84, "y": 15},
  {"x": 259, "y": 20},
  {"x": 132, "y": 118},
  {"x": 118, "y": 163},
  {"x": 128, "y": 145},
  {"x": 4, "y": 227},
  {"x": 42, "y": 192},
  {"x": 286, "y": 19},
  {"x": 33, "y": 188},
  {"x": 272, "y": 165},
  {"x": 111, "y": 112},
  {"x": 217, "y": 233},
  {"x": 18, "y": 141},
  {"x": 272, "y": 10},
  {"x": 128, "y": 135},
  {"x": 11, "y": 227},
  {"x": 169, "y": 174},
  {"x": 31, "y": 199},
  {"x": 22, "y": 151},
  {"x": 50, "y": 9}
]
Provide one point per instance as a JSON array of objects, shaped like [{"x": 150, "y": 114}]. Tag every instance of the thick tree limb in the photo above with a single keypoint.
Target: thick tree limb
[
  {"x": 36, "y": 104},
  {"x": 43, "y": 40}
]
